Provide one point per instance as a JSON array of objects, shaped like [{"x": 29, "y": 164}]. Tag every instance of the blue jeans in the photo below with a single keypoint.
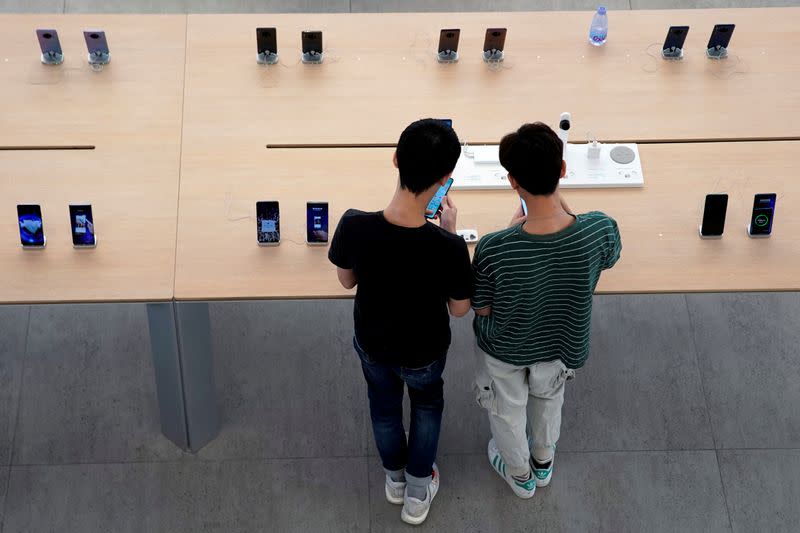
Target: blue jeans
[{"x": 426, "y": 392}]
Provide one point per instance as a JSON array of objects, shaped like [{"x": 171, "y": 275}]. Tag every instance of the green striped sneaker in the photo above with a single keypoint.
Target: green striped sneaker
[
  {"x": 523, "y": 489},
  {"x": 543, "y": 472}
]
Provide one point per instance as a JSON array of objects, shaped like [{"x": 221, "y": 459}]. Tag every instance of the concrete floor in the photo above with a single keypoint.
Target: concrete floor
[{"x": 684, "y": 419}]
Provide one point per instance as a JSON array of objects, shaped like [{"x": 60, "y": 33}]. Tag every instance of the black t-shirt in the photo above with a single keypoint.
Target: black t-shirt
[{"x": 405, "y": 278}]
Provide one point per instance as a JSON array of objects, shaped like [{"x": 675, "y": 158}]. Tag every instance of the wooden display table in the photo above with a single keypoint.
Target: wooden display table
[
  {"x": 131, "y": 113},
  {"x": 218, "y": 256},
  {"x": 380, "y": 73}
]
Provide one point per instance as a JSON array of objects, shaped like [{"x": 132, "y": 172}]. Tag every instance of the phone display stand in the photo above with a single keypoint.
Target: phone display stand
[
  {"x": 749, "y": 234},
  {"x": 672, "y": 53},
  {"x": 312, "y": 57},
  {"x": 267, "y": 58},
  {"x": 52, "y": 58},
  {"x": 700, "y": 232},
  {"x": 718, "y": 52},
  {"x": 99, "y": 58},
  {"x": 447, "y": 56},
  {"x": 493, "y": 56},
  {"x": 616, "y": 165}
]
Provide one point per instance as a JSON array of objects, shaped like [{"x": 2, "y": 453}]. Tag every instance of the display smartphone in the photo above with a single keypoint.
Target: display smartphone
[
  {"x": 435, "y": 205},
  {"x": 448, "y": 40},
  {"x": 446, "y": 121},
  {"x": 721, "y": 36},
  {"x": 676, "y": 37},
  {"x": 495, "y": 40},
  {"x": 317, "y": 223},
  {"x": 524, "y": 206},
  {"x": 267, "y": 40},
  {"x": 714, "y": 216},
  {"x": 763, "y": 213},
  {"x": 31, "y": 229},
  {"x": 49, "y": 43},
  {"x": 81, "y": 222},
  {"x": 96, "y": 42},
  {"x": 312, "y": 42},
  {"x": 268, "y": 223}
]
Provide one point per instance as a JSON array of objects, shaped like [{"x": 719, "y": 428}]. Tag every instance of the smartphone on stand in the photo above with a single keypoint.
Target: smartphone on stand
[
  {"x": 268, "y": 223},
  {"x": 81, "y": 223},
  {"x": 317, "y": 223},
  {"x": 762, "y": 215},
  {"x": 31, "y": 227},
  {"x": 713, "y": 225}
]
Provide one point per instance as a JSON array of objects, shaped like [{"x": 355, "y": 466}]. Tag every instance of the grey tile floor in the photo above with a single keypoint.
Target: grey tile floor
[{"x": 683, "y": 419}]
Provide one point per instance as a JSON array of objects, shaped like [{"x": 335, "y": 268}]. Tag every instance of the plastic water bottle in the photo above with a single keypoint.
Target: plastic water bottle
[{"x": 598, "y": 32}]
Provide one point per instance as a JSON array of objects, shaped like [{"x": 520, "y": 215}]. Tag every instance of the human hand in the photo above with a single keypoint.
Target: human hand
[
  {"x": 519, "y": 217},
  {"x": 448, "y": 215}
]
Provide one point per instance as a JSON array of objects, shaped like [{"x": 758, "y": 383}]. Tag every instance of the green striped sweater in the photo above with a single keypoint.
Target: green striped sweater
[{"x": 540, "y": 289}]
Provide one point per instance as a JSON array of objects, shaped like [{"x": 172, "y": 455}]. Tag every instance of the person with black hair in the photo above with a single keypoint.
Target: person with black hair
[
  {"x": 533, "y": 303},
  {"x": 409, "y": 273}
]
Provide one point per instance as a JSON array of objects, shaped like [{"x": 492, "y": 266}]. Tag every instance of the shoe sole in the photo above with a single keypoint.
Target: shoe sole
[
  {"x": 417, "y": 520},
  {"x": 390, "y": 499},
  {"x": 413, "y": 520}
]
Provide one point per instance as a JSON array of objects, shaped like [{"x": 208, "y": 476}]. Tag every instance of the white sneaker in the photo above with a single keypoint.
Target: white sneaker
[
  {"x": 395, "y": 491},
  {"x": 523, "y": 489},
  {"x": 416, "y": 511}
]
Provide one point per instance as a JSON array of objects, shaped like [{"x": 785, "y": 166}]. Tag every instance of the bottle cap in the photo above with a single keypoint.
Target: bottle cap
[{"x": 601, "y": 10}]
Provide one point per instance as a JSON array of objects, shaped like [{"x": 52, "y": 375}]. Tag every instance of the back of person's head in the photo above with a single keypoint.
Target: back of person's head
[
  {"x": 533, "y": 155},
  {"x": 427, "y": 151}
]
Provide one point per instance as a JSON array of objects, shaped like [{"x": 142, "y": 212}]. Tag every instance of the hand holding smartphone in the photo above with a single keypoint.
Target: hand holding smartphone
[{"x": 435, "y": 205}]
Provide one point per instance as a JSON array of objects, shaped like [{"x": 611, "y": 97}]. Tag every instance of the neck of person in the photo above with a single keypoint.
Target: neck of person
[
  {"x": 546, "y": 214},
  {"x": 407, "y": 209}
]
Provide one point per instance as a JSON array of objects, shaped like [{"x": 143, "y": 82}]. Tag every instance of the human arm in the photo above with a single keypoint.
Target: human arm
[{"x": 346, "y": 277}]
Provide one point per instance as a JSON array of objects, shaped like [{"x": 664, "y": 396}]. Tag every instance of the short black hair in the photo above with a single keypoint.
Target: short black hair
[
  {"x": 427, "y": 151},
  {"x": 532, "y": 155}
]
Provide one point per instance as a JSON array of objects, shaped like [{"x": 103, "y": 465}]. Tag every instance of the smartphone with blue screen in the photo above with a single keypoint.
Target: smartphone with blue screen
[
  {"x": 435, "y": 205},
  {"x": 31, "y": 227},
  {"x": 317, "y": 223},
  {"x": 81, "y": 223},
  {"x": 762, "y": 215}
]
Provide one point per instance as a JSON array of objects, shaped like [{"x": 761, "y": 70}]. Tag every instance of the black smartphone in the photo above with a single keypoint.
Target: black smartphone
[
  {"x": 268, "y": 223},
  {"x": 267, "y": 40},
  {"x": 448, "y": 40},
  {"x": 96, "y": 42},
  {"x": 317, "y": 223},
  {"x": 762, "y": 216},
  {"x": 436, "y": 202},
  {"x": 81, "y": 222},
  {"x": 714, "y": 215},
  {"x": 446, "y": 121},
  {"x": 31, "y": 228},
  {"x": 49, "y": 43},
  {"x": 312, "y": 42},
  {"x": 676, "y": 36},
  {"x": 721, "y": 36},
  {"x": 495, "y": 40}
]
